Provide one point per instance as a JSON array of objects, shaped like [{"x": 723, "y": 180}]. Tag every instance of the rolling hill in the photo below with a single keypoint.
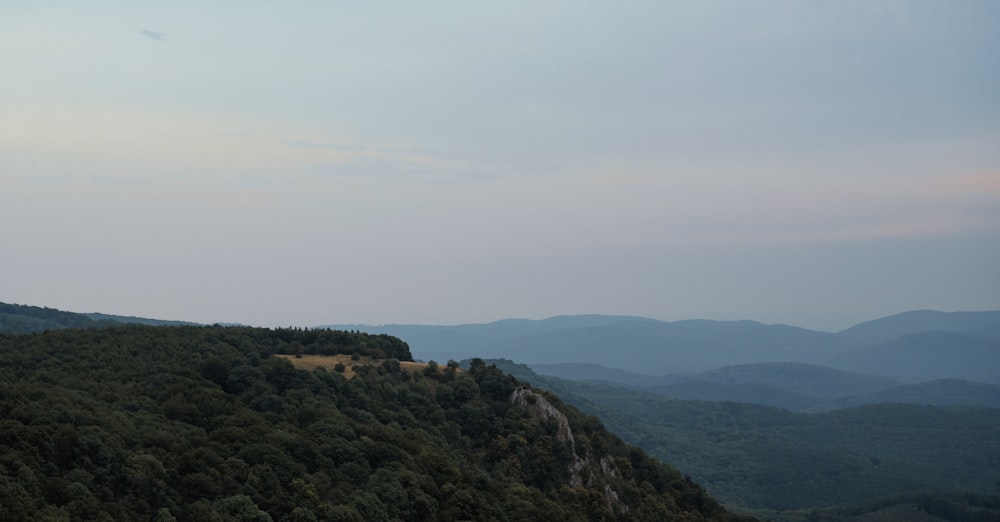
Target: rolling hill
[
  {"x": 943, "y": 392},
  {"x": 865, "y": 455},
  {"x": 805, "y": 379},
  {"x": 927, "y": 356},
  {"x": 18, "y": 319},
  {"x": 885, "y": 329},
  {"x": 139, "y": 422}
]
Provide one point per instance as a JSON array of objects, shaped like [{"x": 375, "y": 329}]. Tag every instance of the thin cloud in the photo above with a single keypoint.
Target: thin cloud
[
  {"x": 359, "y": 160},
  {"x": 154, "y": 35},
  {"x": 413, "y": 167},
  {"x": 344, "y": 147}
]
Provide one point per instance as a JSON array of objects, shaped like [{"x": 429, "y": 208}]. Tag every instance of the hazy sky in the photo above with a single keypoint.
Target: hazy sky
[{"x": 810, "y": 163}]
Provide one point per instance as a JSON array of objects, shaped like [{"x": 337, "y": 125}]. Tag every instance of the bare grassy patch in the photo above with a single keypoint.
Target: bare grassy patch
[{"x": 312, "y": 361}]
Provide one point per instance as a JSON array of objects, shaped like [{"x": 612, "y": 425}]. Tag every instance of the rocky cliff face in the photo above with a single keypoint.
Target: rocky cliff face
[{"x": 582, "y": 470}]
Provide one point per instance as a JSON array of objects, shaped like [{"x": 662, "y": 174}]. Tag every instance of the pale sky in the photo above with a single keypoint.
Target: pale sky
[{"x": 808, "y": 163}]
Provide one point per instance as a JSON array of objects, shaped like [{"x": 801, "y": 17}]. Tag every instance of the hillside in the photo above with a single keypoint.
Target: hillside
[
  {"x": 131, "y": 319},
  {"x": 805, "y": 379},
  {"x": 786, "y": 465},
  {"x": 21, "y": 319},
  {"x": 942, "y": 392},
  {"x": 596, "y": 372},
  {"x": 928, "y": 356},
  {"x": 885, "y": 329},
  {"x": 207, "y": 423},
  {"x": 792, "y": 386},
  {"x": 751, "y": 393}
]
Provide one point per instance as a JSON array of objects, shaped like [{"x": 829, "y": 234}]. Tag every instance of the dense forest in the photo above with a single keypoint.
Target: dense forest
[{"x": 206, "y": 423}]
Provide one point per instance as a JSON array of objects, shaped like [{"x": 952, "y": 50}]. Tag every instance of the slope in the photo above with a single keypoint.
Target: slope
[
  {"x": 885, "y": 329},
  {"x": 20, "y": 319},
  {"x": 129, "y": 319},
  {"x": 927, "y": 356},
  {"x": 942, "y": 392},
  {"x": 805, "y": 379},
  {"x": 204, "y": 423},
  {"x": 776, "y": 461},
  {"x": 792, "y": 386}
]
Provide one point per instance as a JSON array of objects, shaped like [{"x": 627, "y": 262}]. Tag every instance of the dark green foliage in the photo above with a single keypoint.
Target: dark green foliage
[
  {"x": 906, "y": 508},
  {"x": 204, "y": 423},
  {"x": 129, "y": 319},
  {"x": 20, "y": 319}
]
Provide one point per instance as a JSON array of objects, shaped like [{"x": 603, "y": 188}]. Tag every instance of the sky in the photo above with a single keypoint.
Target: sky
[{"x": 444, "y": 162}]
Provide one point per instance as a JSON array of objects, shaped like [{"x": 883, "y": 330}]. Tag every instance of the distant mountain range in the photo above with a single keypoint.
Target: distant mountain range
[
  {"x": 910, "y": 347},
  {"x": 950, "y": 357},
  {"x": 630, "y": 343},
  {"x": 919, "y": 357}
]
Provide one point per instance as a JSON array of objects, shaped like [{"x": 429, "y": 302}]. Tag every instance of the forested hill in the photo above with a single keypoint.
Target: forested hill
[
  {"x": 208, "y": 423},
  {"x": 18, "y": 319}
]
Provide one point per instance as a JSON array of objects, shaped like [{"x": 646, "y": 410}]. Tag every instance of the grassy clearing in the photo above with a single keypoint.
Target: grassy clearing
[{"x": 311, "y": 362}]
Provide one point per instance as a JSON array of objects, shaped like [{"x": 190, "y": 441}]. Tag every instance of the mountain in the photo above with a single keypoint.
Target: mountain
[
  {"x": 661, "y": 350},
  {"x": 634, "y": 344},
  {"x": 980, "y": 324},
  {"x": 657, "y": 348},
  {"x": 441, "y": 343},
  {"x": 222, "y": 423},
  {"x": 927, "y": 356}
]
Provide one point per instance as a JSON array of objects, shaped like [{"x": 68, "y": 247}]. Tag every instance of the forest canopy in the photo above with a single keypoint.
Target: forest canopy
[{"x": 205, "y": 423}]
